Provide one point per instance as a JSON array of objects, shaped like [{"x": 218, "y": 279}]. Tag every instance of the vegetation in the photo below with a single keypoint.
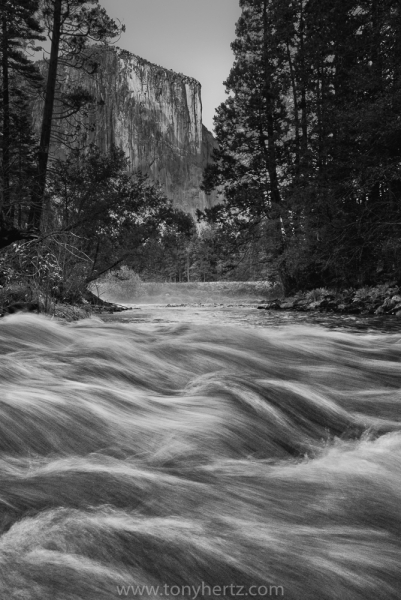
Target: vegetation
[
  {"x": 310, "y": 140},
  {"x": 308, "y": 164},
  {"x": 64, "y": 223},
  {"x": 73, "y": 26}
]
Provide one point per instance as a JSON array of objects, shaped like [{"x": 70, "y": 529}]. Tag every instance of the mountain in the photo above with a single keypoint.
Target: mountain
[{"x": 154, "y": 114}]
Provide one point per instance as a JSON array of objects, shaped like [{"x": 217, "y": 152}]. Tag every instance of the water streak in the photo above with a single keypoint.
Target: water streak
[{"x": 184, "y": 455}]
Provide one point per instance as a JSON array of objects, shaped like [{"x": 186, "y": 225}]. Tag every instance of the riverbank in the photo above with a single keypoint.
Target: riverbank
[
  {"x": 64, "y": 311},
  {"x": 383, "y": 299},
  {"x": 76, "y": 312}
]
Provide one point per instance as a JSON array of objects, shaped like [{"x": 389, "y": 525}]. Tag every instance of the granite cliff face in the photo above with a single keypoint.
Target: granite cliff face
[{"x": 155, "y": 115}]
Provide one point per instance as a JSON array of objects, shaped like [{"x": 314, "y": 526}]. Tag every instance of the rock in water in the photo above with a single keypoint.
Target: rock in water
[{"x": 154, "y": 114}]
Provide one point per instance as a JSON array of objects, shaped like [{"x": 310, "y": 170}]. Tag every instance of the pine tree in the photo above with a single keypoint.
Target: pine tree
[
  {"x": 20, "y": 28},
  {"x": 249, "y": 122},
  {"x": 310, "y": 137},
  {"x": 23, "y": 154},
  {"x": 74, "y": 26},
  {"x": 253, "y": 125}
]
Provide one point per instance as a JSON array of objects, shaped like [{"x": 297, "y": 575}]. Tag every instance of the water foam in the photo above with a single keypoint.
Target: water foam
[{"x": 187, "y": 456}]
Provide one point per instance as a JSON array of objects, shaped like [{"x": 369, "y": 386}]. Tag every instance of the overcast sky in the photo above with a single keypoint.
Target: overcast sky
[{"x": 189, "y": 36}]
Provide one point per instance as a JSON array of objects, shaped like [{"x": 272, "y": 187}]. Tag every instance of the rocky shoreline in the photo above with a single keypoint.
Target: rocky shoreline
[
  {"x": 380, "y": 300},
  {"x": 68, "y": 312}
]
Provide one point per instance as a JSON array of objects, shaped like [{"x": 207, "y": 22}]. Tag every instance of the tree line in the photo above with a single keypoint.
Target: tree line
[
  {"x": 308, "y": 164},
  {"x": 64, "y": 223}
]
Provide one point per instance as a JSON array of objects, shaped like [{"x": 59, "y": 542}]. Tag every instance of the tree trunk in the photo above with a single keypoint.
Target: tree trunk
[
  {"x": 35, "y": 214},
  {"x": 5, "y": 203},
  {"x": 295, "y": 112},
  {"x": 270, "y": 154},
  {"x": 187, "y": 266},
  {"x": 304, "y": 113}
]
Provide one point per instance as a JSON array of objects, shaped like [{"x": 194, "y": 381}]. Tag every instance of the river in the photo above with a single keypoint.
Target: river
[
  {"x": 247, "y": 315},
  {"x": 141, "y": 458}
]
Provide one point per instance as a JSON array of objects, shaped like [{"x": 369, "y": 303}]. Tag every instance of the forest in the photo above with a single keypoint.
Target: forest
[
  {"x": 308, "y": 163},
  {"x": 310, "y": 140}
]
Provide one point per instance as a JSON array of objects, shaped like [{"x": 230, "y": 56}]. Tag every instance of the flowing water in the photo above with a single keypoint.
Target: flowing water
[
  {"x": 200, "y": 452},
  {"x": 246, "y": 314}
]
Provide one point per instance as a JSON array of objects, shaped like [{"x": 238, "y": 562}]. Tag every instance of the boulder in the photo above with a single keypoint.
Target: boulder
[
  {"x": 21, "y": 307},
  {"x": 287, "y": 305},
  {"x": 329, "y": 304},
  {"x": 315, "y": 305}
]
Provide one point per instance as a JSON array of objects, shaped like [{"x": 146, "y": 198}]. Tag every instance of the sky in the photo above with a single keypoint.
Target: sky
[{"x": 192, "y": 37}]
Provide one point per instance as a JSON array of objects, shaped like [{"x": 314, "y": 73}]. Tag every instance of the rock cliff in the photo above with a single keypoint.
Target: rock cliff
[{"x": 155, "y": 115}]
